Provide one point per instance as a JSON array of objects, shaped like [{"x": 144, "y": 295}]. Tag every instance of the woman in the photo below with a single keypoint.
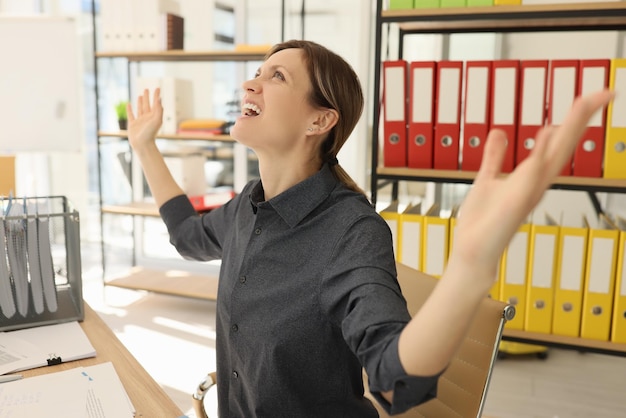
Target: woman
[{"x": 307, "y": 291}]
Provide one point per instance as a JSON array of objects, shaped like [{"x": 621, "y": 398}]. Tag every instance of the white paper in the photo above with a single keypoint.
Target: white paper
[
  {"x": 65, "y": 340},
  {"x": 83, "y": 392},
  {"x": 106, "y": 397},
  {"x": 60, "y": 394},
  {"x": 15, "y": 353}
]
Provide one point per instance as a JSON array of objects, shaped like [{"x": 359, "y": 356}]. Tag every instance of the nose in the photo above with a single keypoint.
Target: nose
[{"x": 251, "y": 85}]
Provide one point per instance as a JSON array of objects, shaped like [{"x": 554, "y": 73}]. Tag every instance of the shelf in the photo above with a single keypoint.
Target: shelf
[
  {"x": 459, "y": 176},
  {"x": 135, "y": 208},
  {"x": 149, "y": 208},
  {"x": 513, "y": 18},
  {"x": 181, "y": 55},
  {"x": 574, "y": 343},
  {"x": 198, "y": 137},
  {"x": 171, "y": 282}
]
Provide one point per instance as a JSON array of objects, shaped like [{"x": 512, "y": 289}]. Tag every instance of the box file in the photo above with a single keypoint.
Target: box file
[
  {"x": 446, "y": 147},
  {"x": 542, "y": 253},
  {"x": 426, "y": 4},
  {"x": 477, "y": 107},
  {"x": 452, "y": 3},
  {"x": 563, "y": 90},
  {"x": 394, "y": 113},
  {"x": 618, "y": 323},
  {"x": 599, "y": 279},
  {"x": 410, "y": 232},
  {"x": 504, "y": 106},
  {"x": 615, "y": 144},
  {"x": 532, "y": 104},
  {"x": 400, "y": 4},
  {"x": 589, "y": 154},
  {"x": 514, "y": 277},
  {"x": 570, "y": 275},
  {"x": 435, "y": 241},
  {"x": 421, "y": 124}
]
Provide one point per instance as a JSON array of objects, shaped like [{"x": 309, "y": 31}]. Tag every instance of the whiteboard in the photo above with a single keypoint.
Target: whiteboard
[{"x": 40, "y": 85}]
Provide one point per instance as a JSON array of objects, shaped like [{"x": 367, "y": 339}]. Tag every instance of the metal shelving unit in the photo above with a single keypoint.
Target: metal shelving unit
[
  {"x": 173, "y": 281},
  {"x": 502, "y": 19}
]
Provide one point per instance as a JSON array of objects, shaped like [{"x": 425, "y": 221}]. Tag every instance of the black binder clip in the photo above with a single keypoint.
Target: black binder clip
[{"x": 54, "y": 360}]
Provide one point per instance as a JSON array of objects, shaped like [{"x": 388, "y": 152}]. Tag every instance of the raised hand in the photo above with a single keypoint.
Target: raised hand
[
  {"x": 143, "y": 128},
  {"x": 496, "y": 205}
]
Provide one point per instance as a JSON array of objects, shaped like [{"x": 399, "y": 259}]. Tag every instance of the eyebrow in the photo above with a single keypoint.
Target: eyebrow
[{"x": 275, "y": 67}]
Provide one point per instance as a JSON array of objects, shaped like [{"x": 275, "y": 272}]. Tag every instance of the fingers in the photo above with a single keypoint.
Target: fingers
[
  {"x": 493, "y": 155},
  {"x": 139, "y": 105},
  {"x": 577, "y": 118},
  {"x": 156, "y": 100},
  {"x": 129, "y": 112},
  {"x": 555, "y": 146},
  {"x": 145, "y": 101},
  {"x": 542, "y": 139}
]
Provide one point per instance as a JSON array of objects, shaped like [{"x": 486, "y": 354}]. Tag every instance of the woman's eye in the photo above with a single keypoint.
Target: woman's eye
[{"x": 279, "y": 75}]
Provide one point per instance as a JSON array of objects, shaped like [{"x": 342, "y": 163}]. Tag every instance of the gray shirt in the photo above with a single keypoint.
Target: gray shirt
[{"x": 307, "y": 297}]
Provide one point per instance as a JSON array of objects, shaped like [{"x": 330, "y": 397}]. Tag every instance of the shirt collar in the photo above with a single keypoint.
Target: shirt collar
[{"x": 295, "y": 203}]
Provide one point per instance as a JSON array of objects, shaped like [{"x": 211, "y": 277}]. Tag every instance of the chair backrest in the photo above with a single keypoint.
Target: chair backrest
[{"x": 463, "y": 387}]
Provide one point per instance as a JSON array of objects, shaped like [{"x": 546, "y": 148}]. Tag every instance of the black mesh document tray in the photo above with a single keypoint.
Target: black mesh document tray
[{"x": 40, "y": 262}]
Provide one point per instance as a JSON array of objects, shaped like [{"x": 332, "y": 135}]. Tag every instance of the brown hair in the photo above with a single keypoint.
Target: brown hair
[{"x": 335, "y": 86}]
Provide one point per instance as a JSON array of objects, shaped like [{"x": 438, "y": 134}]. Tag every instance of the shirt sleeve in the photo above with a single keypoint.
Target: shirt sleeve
[
  {"x": 199, "y": 237},
  {"x": 408, "y": 391},
  {"x": 362, "y": 296}
]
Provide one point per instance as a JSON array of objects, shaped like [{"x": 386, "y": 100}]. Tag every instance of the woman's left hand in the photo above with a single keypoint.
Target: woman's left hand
[{"x": 497, "y": 205}]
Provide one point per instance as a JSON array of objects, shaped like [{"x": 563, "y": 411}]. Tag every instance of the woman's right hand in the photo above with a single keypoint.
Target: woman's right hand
[{"x": 143, "y": 128}]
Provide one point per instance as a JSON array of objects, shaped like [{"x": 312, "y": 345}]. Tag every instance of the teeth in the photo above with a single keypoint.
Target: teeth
[{"x": 252, "y": 107}]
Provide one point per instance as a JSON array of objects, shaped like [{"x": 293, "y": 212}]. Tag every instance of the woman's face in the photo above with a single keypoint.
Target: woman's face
[{"x": 275, "y": 106}]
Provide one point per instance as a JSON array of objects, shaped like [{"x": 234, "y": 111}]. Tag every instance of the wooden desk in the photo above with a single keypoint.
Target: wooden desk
[{"x": 149, "y": 399}]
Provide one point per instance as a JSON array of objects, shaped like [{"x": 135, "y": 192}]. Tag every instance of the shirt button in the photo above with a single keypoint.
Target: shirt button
[
  {"x": 257, "y": 231},
  {"x": 242, "y": 279},
  {"x": 235, "y": 374},
  {"x": 235, "y": 327}
]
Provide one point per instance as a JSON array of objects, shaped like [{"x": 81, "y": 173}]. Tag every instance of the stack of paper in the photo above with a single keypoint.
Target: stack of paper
[
  {"x": 40, "y": 346},
  {"x": 92, "y": 392}
]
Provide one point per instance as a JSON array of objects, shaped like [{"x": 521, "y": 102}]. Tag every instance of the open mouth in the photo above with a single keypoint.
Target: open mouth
[{"x": 250, "y": 109}]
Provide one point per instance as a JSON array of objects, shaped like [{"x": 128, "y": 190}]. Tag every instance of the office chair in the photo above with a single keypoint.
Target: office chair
[{"x": 462, "y": 388}]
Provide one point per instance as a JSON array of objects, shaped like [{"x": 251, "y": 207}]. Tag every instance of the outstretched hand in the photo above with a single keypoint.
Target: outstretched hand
[
  {"x": 496, "y": 205},
  {"x": 143, "y": 128}
]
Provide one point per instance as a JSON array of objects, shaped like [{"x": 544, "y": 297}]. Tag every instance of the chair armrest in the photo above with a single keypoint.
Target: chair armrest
[{"x": 198, "y": 397}]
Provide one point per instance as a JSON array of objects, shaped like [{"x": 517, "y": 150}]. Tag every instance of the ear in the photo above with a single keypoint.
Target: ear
[{"x": 325, "y": 121}]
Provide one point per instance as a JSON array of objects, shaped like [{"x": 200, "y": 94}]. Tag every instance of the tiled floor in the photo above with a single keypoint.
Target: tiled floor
[{"x": 567, "y": 384}]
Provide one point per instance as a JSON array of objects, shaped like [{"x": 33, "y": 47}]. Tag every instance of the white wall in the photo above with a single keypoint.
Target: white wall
[{"x": 54, "y": 173}]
